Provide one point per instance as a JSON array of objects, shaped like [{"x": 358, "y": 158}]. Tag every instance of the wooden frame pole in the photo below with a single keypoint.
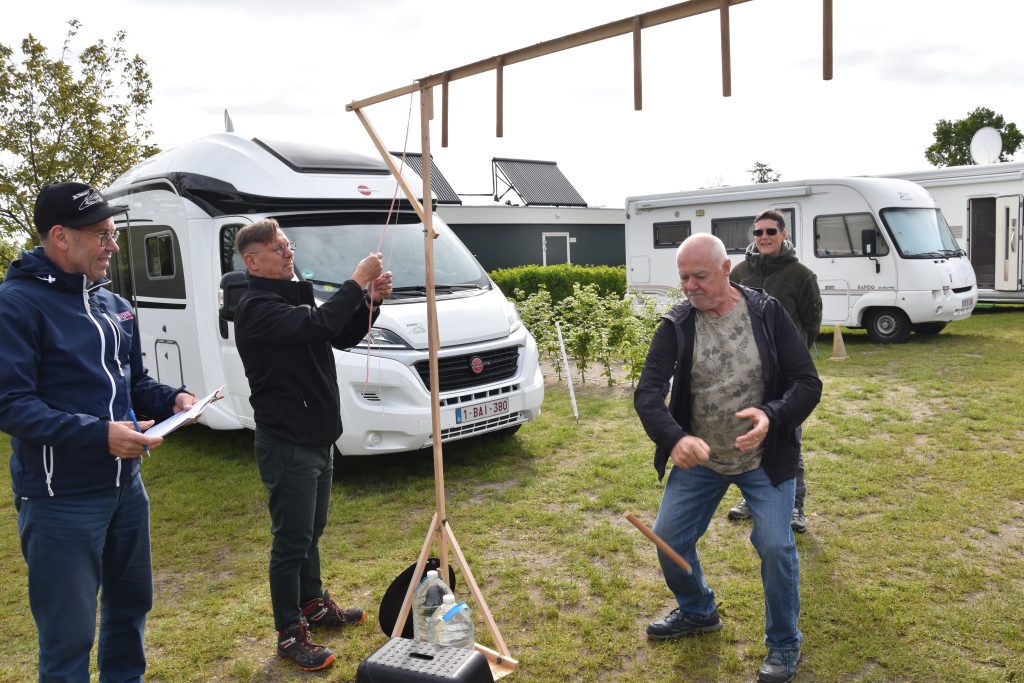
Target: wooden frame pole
[
  {"x": 726, "y": 52},
  {"x": 638, "y": 77},
  {"x": 826, "y": 48}
]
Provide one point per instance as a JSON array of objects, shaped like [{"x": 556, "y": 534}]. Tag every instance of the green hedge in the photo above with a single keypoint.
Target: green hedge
[{"x": 558, "y": 280}]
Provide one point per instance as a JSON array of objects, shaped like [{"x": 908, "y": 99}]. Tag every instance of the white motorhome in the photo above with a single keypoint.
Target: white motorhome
[
  {"x": 884, "y": 257},
  {"x": 984, "y": 206},
  {"x": 178, "y": 265}
]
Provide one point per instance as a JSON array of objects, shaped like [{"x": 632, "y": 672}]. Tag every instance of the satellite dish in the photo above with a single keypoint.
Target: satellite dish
[
  {"x": 229, "y": 127},
  {"x": 986, "y": 146}
]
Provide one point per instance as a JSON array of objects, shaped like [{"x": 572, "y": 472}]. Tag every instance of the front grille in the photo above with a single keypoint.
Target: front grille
[
  {"x": 456, "y": 372},
  {"x": 491, "y": 424}
]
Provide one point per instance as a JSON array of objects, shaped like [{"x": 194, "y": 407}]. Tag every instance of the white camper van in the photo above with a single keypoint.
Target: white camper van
[
  {"x": 178, "y": 265},
  {"x": 984, "y": 206},
  {"x": 884, "y": 257}
]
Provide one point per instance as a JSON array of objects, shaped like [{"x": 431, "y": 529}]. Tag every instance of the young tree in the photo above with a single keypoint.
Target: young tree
[
  {"x": 61, "y": 121},
  {"x": 952, "y": 146},
  {"x": 763, "y": 173}
]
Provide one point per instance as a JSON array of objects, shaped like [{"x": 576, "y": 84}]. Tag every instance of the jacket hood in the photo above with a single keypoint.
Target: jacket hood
[
  {"x": 755, "y": 259},
  {"x": 36, "y": 264}
]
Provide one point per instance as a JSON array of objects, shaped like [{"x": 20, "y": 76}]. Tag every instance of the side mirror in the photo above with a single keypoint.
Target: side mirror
[{"x": 867, "y": 240}]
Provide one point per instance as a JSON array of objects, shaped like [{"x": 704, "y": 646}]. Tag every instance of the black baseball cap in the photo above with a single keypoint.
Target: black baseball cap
[{"x": 73, "y": 205}]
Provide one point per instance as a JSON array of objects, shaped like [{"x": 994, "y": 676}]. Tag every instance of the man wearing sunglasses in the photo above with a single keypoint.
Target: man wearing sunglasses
[
  {"x": 71, "y": 379},
  {"x": 771, "y": 264},
  {"x": 285, "y": 340}
]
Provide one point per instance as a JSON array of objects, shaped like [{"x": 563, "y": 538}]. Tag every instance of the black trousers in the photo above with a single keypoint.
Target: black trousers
[{"x": 298, "y": 479}]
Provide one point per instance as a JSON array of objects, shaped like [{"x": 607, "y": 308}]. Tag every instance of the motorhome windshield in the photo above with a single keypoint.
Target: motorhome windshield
[
  {"x": 327, "y": 251},
  {"x": 920, "y": 233}
]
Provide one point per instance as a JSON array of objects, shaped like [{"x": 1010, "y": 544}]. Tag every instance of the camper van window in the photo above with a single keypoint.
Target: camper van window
[
  {"x": 328, "y": 247},
  {"x": 670, "y": 235},
  {"x": 230, "y": 259},
  {"x": 840, "y": 236},
  {"x": 160, "y": 256},
  {"x": 920, "y": 233},
  {"x": 734, "y": 232}
]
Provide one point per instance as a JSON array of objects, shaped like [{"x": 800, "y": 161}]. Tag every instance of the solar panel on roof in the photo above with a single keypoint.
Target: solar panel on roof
[
  {"x": 442, "y": 190},
  {"x": 538, "y": 183}
]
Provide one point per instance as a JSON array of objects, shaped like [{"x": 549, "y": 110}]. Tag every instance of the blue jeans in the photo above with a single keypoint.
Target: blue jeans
[
  {"x": 690, "y": 499},
  {"x": 299, "y": 480},
  {"x": 76, "y": 546}
]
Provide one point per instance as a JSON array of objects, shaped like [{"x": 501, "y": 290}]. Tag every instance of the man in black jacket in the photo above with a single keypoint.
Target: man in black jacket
[
  {"x": 771, "y": 264},
  {"x": 742, "y": 381},
  {"x": 285, "y": 341}
]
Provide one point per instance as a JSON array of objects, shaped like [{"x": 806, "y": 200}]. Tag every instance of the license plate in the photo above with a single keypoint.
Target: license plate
[
  {"x": 968, "y": 303},
  {"x": 481, "y": 411}
]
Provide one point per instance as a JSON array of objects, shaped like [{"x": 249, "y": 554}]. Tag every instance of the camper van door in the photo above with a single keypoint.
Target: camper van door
[{"x": 1008, "y": 243}]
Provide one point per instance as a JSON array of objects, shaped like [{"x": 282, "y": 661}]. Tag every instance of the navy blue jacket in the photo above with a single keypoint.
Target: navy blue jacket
[
  {"x": 791, "y": 385},
  {"x": 70, "y": 363}
]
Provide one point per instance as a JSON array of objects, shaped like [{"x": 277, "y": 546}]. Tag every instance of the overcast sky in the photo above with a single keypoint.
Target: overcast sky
[{"x": 285, "y": 70}]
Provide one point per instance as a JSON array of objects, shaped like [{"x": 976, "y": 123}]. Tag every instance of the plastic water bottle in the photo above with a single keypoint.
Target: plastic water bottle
[
  {"x": 452, "y": 625},
  {"x": 428, "y": 597}
]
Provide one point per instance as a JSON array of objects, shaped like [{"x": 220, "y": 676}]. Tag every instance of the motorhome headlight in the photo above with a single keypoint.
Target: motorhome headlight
[
  {"x": 514, "y": 323},
  {"x": 382, "y": 338}
]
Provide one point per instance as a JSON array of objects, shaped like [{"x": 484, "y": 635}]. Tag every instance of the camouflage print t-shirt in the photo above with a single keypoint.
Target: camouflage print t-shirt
[{"x": 725, "y": 378}]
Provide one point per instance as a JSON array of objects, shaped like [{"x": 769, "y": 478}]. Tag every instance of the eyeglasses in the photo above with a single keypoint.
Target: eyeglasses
[
  {"x": 771, "y": 232},
  {"x": 279, "y": 249},
  {"x": 103, "y": 237}
]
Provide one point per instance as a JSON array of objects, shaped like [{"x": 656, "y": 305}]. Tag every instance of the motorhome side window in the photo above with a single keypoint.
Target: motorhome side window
[
  {"x": 843, "y": 235},
  {"x": 735, "y": 233},
  {"x": 160, "y": 255},
  {"x": 230, "y": 259},
  {"x": 670, "y": 235}
]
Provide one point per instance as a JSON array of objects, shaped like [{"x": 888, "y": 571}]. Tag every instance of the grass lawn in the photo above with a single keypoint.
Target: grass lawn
[{"x": 912, "y": 568}]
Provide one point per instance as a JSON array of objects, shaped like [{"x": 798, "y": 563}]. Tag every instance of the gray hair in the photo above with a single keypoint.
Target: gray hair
[{"x": 715, "y": 246}]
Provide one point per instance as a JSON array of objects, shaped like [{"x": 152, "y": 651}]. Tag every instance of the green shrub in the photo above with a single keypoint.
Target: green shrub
[{"x": 559, "y": 280}]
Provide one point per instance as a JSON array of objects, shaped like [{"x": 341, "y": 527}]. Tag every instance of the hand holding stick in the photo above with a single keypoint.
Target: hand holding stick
[{"x": 662, "y": 546}]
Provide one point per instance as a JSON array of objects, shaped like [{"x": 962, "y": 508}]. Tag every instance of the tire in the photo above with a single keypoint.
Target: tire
[
  {"x": 928, "y": 329},
  {"x": 887, "y": 326}
]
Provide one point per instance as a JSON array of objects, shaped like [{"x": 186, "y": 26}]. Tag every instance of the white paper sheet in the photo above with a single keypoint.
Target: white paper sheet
[{"x": 184, "y": 417}]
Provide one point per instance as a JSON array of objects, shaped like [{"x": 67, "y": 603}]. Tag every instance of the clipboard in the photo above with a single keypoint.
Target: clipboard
[{"x": 185, "y": 417}]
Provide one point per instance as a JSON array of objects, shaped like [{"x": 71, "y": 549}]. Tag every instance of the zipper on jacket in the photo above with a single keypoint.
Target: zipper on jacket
[
  {"x": 48, "y": 468},
  {"x": 103, "y": 350}
]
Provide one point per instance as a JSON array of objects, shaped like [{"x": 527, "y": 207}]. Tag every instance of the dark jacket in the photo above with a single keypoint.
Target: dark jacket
[
  {"x": 786, "y": 279},
  {"x": 70, "y": 363},
  {"x": 791, "y": 384},
  {"x": 285, "y": 343}
]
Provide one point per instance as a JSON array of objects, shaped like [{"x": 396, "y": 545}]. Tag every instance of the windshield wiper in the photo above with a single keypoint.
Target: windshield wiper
[
  {"x": 443, "y": 289},
  {"x": 323, "y": 283}
]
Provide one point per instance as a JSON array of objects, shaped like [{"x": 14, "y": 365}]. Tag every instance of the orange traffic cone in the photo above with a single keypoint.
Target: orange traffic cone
[{"x": 838, "y": 347}]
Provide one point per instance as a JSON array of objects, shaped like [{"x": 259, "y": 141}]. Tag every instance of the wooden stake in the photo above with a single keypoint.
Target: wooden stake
[
  {"x": 826, "y": 69},
  {"x": 499, "y": 126},
  {"x": 638, "y": 86},
  {"x": 444, "y": 110},
  {"x": 726, "y": 58}
]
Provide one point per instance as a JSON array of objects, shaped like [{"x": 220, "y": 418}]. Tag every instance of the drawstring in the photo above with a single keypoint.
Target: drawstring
[
  {"x": 117, "y": 479},
  {"x": 48, "y": 469}
]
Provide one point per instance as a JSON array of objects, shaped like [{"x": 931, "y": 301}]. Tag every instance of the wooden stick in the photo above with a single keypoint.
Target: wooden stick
[
  {"x": 421, "y": 564},
  {"x": 826, "y": 66},
  {"x": 662, "y": 546},
  {"x": 726, "y": 56},
  {"x": 478, "y": 595},
  {"x": 638, "y": 88}
]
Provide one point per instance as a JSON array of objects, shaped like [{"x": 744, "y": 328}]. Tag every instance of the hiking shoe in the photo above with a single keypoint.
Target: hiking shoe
[
  {"x": 295, "y": 643},
  {"x": 799, "y": 522},
  {"x": 324, "y": 613},
  {"x": 677, "y": 623},
  {"x": 740, "y": 511},
  {"x": 779, "y": 666}
]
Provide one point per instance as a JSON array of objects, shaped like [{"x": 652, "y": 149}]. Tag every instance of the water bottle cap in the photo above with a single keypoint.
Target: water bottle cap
[
  {"x": 448, "y": 599},
  {"x": 432, "y": 574}
]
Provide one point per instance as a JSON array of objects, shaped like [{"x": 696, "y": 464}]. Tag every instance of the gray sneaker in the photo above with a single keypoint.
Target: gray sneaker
[
  {"x": 779, "y": 666},
  {"x": 799, "y": 522},
  {"x": 677, "y": 623},
  {"x": 740, "y": 511}
]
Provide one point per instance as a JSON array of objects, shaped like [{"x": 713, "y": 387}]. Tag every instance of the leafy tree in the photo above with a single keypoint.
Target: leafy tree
[
  {"x": 952, "y": 146},
  {"x": 763, "y": 173},
  {"x": 61, "y": 121}
]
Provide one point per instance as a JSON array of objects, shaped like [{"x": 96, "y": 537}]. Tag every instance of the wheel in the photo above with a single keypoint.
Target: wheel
[
  {"x": 928, "y": 329},
  {"x": 887, "y": 326}
]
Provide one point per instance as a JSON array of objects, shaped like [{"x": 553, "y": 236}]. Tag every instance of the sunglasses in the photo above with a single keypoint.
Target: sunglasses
[{"x": 771, "y": 232}]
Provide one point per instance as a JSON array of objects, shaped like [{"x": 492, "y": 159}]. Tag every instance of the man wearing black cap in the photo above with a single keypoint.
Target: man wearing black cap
[{"x": 70, "y": 374}]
